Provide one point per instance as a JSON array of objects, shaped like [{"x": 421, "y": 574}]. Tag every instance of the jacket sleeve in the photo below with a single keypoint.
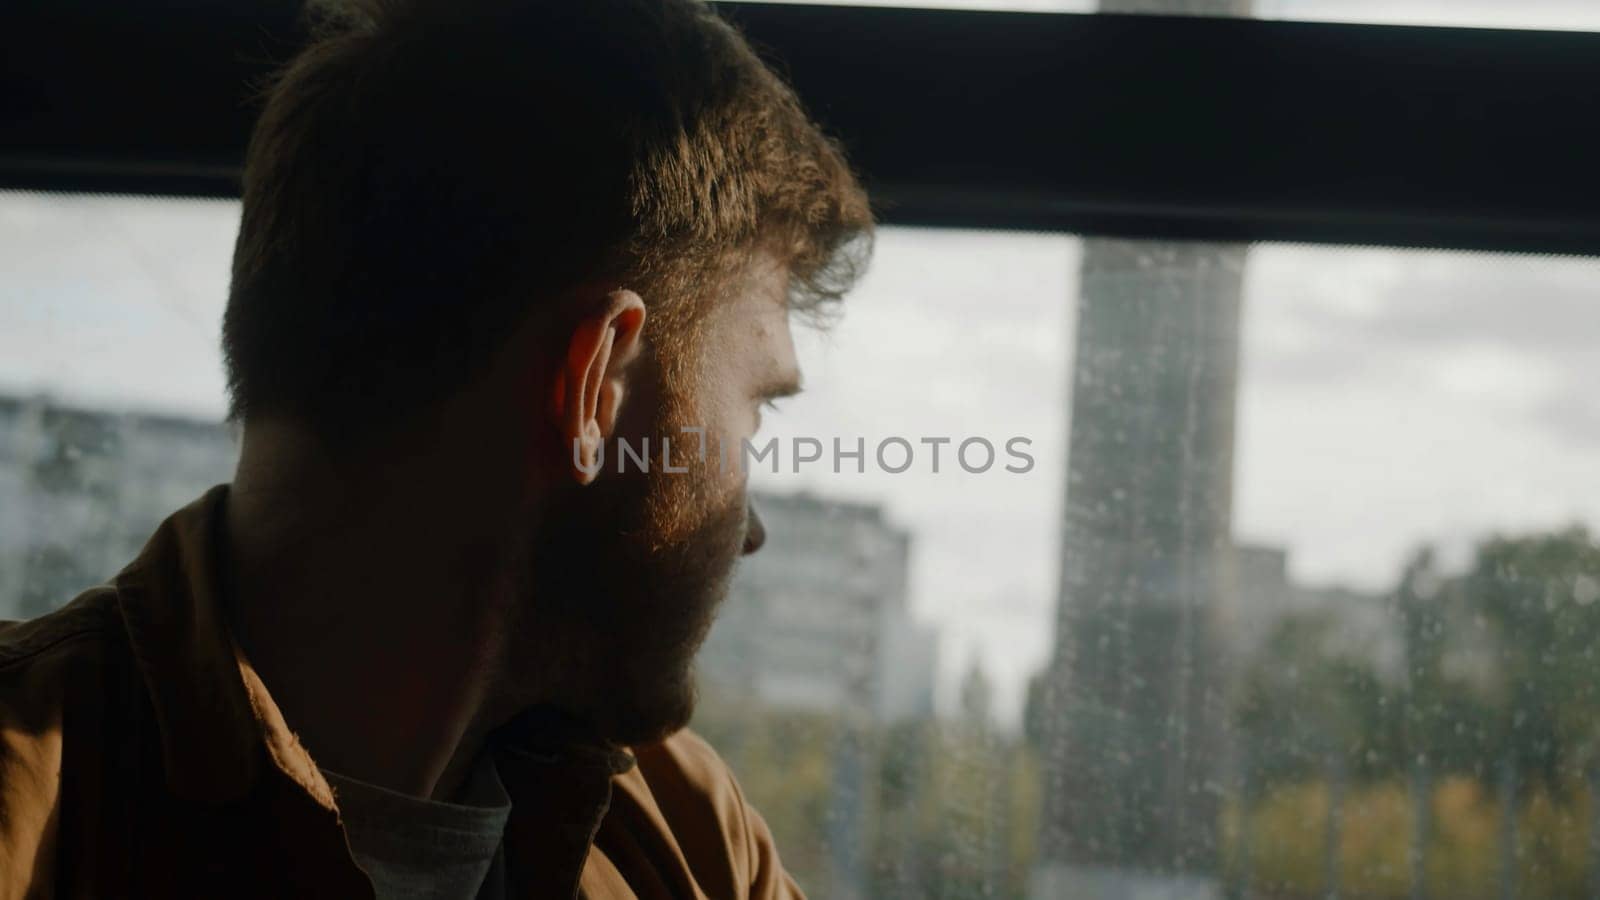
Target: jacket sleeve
[{"x": 29, "y": 789}]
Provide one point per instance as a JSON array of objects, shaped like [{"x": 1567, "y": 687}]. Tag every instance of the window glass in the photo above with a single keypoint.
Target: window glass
[
  {"x": 1267, "y": 570},
  {"x": 111, "y": 396}
]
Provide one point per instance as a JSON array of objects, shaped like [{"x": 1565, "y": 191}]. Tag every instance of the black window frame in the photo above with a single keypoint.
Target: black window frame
[{"x": 1134, "y": 126}]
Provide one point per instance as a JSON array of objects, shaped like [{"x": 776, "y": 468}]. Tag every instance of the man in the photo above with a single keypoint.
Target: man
[{"x": 433, "y": 640}]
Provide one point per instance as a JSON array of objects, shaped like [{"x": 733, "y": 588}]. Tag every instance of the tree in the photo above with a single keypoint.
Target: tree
[
  {"x": 1444, "y": 717},
  {"x": 1539, "y": 596},
  {"x": 1302, "y": 702}
]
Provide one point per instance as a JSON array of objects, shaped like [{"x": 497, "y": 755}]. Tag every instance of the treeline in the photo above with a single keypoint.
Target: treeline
[
  {"x": 1467, "y": 767},
  {"x": 1457, "y": 757}
]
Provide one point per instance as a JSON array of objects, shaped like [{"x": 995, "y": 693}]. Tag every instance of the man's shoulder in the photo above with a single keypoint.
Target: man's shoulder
[
  {"x": 53, "y": 686},
  {"x": 58, "y": 667},
  {"x": 81, "y": 629}
]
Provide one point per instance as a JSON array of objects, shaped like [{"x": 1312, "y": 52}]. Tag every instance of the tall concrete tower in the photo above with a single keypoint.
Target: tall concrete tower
[
  {"x": 1130, "y": 711},
  {"x": 1132, "y": 707}
]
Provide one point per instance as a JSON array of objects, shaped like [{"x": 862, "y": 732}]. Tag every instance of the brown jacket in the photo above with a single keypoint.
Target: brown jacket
[{"x": 141, "y": 756}]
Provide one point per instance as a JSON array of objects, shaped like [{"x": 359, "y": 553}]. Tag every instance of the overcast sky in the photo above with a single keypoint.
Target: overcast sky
[{"x": 1388, "y": 398}]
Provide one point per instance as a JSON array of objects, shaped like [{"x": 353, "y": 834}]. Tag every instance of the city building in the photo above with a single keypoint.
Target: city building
[
  {"x": 81, "y": 491},
  {"x": 1132, "y": 719},
  {"x": 1364, "y": 625}
]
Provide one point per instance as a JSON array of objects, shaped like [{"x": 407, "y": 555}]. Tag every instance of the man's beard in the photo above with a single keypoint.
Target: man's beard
[{"x": 625, "y": 578}]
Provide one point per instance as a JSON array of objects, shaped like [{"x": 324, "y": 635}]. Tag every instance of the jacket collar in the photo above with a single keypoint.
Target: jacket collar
[
  {"x": 211, "y": 740},
  {"x": 560, "y": 784},
  {"x": 218, "y": 725}
]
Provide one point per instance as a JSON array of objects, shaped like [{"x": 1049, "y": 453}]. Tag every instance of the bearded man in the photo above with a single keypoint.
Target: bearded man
[{"x": 435, "y": 638}]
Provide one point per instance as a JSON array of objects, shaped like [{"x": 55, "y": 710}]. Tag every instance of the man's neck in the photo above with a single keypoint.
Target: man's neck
[{"x": 374, "y": 618}]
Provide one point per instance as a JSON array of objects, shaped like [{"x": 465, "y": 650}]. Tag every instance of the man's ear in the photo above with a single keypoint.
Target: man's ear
[{"x": 591, "y": 381}]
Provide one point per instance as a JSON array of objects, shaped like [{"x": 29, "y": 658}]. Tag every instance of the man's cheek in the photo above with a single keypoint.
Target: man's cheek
[{"x": 721, "y": 453}]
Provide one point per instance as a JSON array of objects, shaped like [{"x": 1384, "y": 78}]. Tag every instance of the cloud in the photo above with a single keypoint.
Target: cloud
[
  {"x": 1393, "y": 397},
  {"x": 1518, "y": 332},
  {"x": 115, "y": 300}
]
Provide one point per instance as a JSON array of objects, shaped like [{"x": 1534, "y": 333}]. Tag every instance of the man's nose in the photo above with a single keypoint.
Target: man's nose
[{"x": 755, "y": 533}]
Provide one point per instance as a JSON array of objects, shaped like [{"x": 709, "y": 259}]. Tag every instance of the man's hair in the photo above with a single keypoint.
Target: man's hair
[{"x": 426, "y": 175}]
